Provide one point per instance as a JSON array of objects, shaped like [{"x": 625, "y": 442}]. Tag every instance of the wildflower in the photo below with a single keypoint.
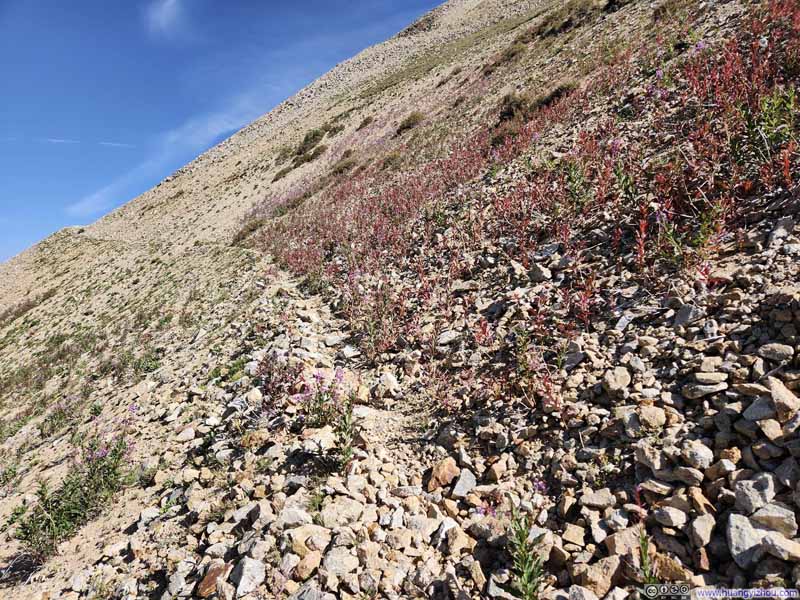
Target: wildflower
[{"x": 660, "y": 74}]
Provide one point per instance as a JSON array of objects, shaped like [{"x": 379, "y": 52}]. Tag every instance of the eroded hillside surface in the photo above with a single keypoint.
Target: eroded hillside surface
[{"x": 504, "y": 307}]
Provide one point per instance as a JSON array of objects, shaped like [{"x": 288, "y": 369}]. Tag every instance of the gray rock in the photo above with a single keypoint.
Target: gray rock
[
  {"x": 697, "y": 455},
  {"x": 693, "y": 391},
  {"x": 291, "y": 516},
  {"x": 779, "y": 547},
  {"x": 309, "y": 591},
  {"x": 600, "y": 499},
  {"x": 538, "y": 274},
  {"x": 616, "y": 380},
  {"x": 671, "y": 517},
  {"x": 776, "y": 352},
  {"x": 700, "y": 530},
  {"x": 147, "y": 516},
  {"x": 447, "y": 337},
  {"x": 761, "y": 408},
  {"x": 688, "y": 314},
  {"x": 577, "y": 592},
  {"x": 752, "y": 494},
  {"x": 493, "y": 590},
  {"x": 783, "y": 229},
  {"x": 744, "y": 540},
  {"x": 248, "y": 575},
  {"x": 786, "y": 403},
  {"x": 465, "y": 483},
  {"x": 341, "y": 511},
  {"x": 778, "y": 517},
  {"x": 340, "y": 561}
]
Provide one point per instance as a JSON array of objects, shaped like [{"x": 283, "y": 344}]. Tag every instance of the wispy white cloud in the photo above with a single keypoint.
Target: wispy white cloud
[
  {"x": 164, "y": 17},
  {"x": 190, "y": 138},
  {"x": 116, "y": 145},
  {"x": 59, "y": 141},
  {"x": 258, "y": 94}
]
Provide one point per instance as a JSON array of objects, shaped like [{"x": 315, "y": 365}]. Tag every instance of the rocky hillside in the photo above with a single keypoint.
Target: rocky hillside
[{"x": 504, "y": 307}]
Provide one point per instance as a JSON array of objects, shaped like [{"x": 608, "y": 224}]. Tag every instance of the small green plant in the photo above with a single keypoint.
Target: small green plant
[
  {"x": 8, "y": 474},
  {"x": 648, "y": 570},
  {"x": 410, "y": 122},
  {"x": 87, "y": 489},
  {"x": 345, "y": 433},
  {"x": 56, "y": 420},
  {"x": 527, "y": 567},
  {"x": 315, "y": 501},
  {"x": 168, "y": 506},
  {"x": 147, "y": 363}
]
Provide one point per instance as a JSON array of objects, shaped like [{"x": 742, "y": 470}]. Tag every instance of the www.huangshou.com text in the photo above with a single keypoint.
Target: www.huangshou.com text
[{"x": 712, "y": 594}]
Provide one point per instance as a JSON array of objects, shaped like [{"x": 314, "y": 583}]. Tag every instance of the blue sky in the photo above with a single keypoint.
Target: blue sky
[{"x": 101, "y": 100}]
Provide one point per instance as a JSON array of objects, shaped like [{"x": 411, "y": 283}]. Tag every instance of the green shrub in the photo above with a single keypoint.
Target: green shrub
[
  {"x": 248, "y": 229},
  {"x": 284, "y": 153},
  {"x": 365, "y": 123},
  {"x": 332, "y": 129},
  {"x": 568, "y": 15},
  {"x": 311, "y": 139},
  {"x": 509, "y": 55},
  {"x": 343, "y": 166},
  {"x": 527, "y": 562},
  {"x": 85, "y": 492},
  {"x": 282, "y": 173},
  {"x": 392, "y": 162},
  {"x": 554, "y": 95},
  {"x": 410, "y": 122}
]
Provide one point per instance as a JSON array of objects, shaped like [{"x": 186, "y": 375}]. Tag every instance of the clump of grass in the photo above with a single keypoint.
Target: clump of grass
[
  {"x": 247, "y": 230},
  {"x": 282, "y": 173},
  {"x": 310, "y": 141},
  {"x": 392, "y": 162},
  {"x": 527, "y": 566},
  {"x": 667, "y": 10},
  {"x": 89, "y": 486},
  {"x": 146, "y": 363},
  {"x": 56, "y": 420},
  {"x": 307, "y": 157},
  {"x": 410, "y": 122},
  {"x": 567, "y": 16},
  {"x": 343, "y": 166},
  {"x": 8, "y": 474},
  {"x": 507, "y": 56},
  {"x": 333, "y": 129},
  {"x": 284, "y": 154},
  {"x": 518, "y": 108},
  {"x": 365, "y": 123}
]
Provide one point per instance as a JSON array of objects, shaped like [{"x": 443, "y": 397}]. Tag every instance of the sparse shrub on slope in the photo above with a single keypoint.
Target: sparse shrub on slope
[
  {"x": 410, "y": 122},
  {"x": 311, "y": 139},
  {"x": 365, "y": 123},
  {"x": 87, "y": 490},
  {"x": 247, "y": 231},
  {"x": 507, "y": 56}
]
